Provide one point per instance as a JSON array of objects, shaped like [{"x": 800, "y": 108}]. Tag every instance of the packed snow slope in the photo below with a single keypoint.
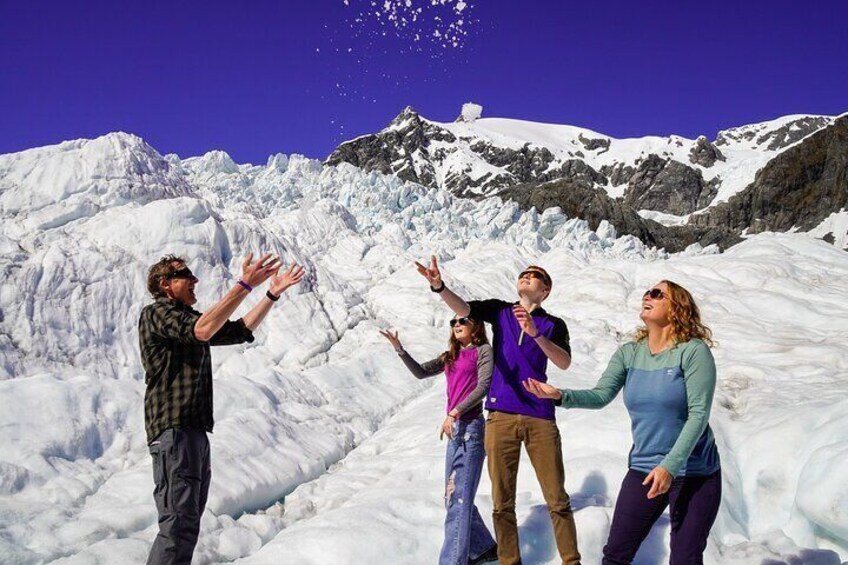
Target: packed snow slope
[{"x": 325, "y": 450}]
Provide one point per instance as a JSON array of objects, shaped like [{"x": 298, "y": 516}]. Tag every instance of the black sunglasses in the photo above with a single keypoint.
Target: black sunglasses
[
  {"x": 184, "y": 273},
  {"x": 460, "y": 321},
  {"x": 654, "y": 293},
  {"x": 535, "y": 275}
]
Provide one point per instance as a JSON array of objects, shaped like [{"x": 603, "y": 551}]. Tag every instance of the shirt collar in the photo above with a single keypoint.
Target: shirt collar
[
  {"x": 538, "y": 310},
  {"x": 174, "y": 302}
]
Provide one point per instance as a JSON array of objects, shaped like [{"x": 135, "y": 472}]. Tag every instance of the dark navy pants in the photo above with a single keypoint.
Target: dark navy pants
[
  {"x": 693, "y": 505},
  {"x": 181, "y": 471}
]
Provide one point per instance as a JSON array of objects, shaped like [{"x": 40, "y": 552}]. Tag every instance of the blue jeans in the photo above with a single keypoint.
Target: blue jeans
[{"x": 466, "y": 536}]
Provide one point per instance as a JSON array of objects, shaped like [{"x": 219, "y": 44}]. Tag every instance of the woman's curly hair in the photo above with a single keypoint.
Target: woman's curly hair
[{"x": 685, "y": 317}]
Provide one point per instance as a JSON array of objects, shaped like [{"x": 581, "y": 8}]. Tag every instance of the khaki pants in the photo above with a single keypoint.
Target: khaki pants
[{"x": 504, "y": 435}]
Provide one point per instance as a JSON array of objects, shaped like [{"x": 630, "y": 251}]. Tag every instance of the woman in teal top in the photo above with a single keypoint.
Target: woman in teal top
[{"x": 668, "y": 375}]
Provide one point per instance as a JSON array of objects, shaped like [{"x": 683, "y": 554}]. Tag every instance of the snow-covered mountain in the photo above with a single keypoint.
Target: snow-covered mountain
[
  {"x": 664, "y": 179},
  {"x": 325, "y": 450},
  {"x": 480, "y": 157}
]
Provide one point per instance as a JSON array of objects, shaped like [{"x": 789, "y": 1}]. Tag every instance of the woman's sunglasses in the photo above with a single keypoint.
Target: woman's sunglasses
[
  {"x": 654, "y": 293},
  {"x": 460, "y": 321},
  {"x": 184, "y": 273}
]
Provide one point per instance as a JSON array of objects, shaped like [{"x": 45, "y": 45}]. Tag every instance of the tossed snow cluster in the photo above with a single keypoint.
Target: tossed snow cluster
[
  {"x": 322, "y": 440},
  {"x": 442, "y": 23}
]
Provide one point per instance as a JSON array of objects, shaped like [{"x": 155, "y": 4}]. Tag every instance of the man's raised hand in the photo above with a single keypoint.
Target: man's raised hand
[
  {"x": 281, "y": 283},
  {"x": 431, "y": 273},
  {"x": 257, "y": 273}
]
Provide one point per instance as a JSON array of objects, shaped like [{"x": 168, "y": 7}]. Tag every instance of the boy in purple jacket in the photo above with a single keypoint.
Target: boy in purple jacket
[{"x": 525, "y": 336}]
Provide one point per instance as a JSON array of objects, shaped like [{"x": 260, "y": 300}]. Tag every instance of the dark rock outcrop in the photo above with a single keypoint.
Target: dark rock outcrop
[
  {"x": 799, "y": 188},
  {"x": 666, "y": 185},
  {"x": 618, "y": 174},
  {"x": 704, "y": 153},
  {"x": 592, "y": 144},
  {"x": 577, "y": 200}
]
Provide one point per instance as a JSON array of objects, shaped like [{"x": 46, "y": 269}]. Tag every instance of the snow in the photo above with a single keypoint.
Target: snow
[
  {"x": 322, "y": 439},
  {"x": 837, "y": 226},
  {"x": 663, "y": 218}
]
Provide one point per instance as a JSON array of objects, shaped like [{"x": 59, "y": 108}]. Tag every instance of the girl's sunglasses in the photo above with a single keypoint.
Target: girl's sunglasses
[
  {"x": 460, "y": 321},
  {"x": 654, "y": 293}
]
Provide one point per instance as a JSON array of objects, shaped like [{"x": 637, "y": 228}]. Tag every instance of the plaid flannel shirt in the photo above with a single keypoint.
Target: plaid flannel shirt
[{"x": 178, "y": 366}]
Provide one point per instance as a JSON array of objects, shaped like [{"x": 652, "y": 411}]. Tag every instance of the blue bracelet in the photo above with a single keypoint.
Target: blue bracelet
[{"x": 245, "y": 286}]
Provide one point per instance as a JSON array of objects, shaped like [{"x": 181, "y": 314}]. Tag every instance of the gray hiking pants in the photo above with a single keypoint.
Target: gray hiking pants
[{"x": 181, "y": 471}]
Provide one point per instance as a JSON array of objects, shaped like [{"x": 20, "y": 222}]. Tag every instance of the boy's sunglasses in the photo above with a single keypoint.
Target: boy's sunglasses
[
  {"x": 184, "y": 273},
  {"x": 535, "y": 275},
  {"x": 460, "y": 321},
  {"x": 654, "y": 293}
]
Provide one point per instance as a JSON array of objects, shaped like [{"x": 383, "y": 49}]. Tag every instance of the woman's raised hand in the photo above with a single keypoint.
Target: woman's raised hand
[{"x": 392, "y": 338}]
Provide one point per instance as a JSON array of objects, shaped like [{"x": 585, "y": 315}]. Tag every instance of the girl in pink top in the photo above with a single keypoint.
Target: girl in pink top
[{"x": 467, "y": 364}]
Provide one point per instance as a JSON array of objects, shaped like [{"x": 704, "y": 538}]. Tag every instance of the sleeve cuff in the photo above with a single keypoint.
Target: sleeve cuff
[
  {"x": 248, "y": 335},
  {"x": 664, "y": 464},
  {"x": 561, "y": 398}
]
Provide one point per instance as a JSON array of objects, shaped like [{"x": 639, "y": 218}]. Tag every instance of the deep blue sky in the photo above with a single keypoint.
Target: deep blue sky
[{"x": 256, "y": 78}]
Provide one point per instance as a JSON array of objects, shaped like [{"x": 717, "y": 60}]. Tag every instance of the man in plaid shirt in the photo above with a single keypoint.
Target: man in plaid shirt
[{"x": 175, "y": 341}]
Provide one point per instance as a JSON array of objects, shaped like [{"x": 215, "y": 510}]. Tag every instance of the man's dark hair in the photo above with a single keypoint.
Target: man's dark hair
[{"x": 159, "y": 271}]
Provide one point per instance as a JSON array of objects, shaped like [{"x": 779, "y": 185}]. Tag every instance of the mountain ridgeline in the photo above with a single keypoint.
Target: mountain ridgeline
[{"x": 782, "y": 175}]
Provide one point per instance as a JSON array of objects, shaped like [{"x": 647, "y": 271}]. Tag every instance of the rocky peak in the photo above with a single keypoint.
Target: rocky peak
[{"x": 409, "y": 115}]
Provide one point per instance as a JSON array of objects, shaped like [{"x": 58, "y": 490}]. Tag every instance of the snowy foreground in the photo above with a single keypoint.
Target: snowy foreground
[{"x": 325, "y": 450}]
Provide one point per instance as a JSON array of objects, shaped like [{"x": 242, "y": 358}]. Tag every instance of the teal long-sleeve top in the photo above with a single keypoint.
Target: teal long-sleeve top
[{"x": 668, "y": 397}]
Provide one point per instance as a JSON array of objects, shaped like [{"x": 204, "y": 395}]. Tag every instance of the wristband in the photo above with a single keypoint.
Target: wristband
[
  {"x": 271, "y": 296},
  {"x": 438, "y": 290},
  {"x": 245, "y": 286},
  {"x": 400, "y": 351}
]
